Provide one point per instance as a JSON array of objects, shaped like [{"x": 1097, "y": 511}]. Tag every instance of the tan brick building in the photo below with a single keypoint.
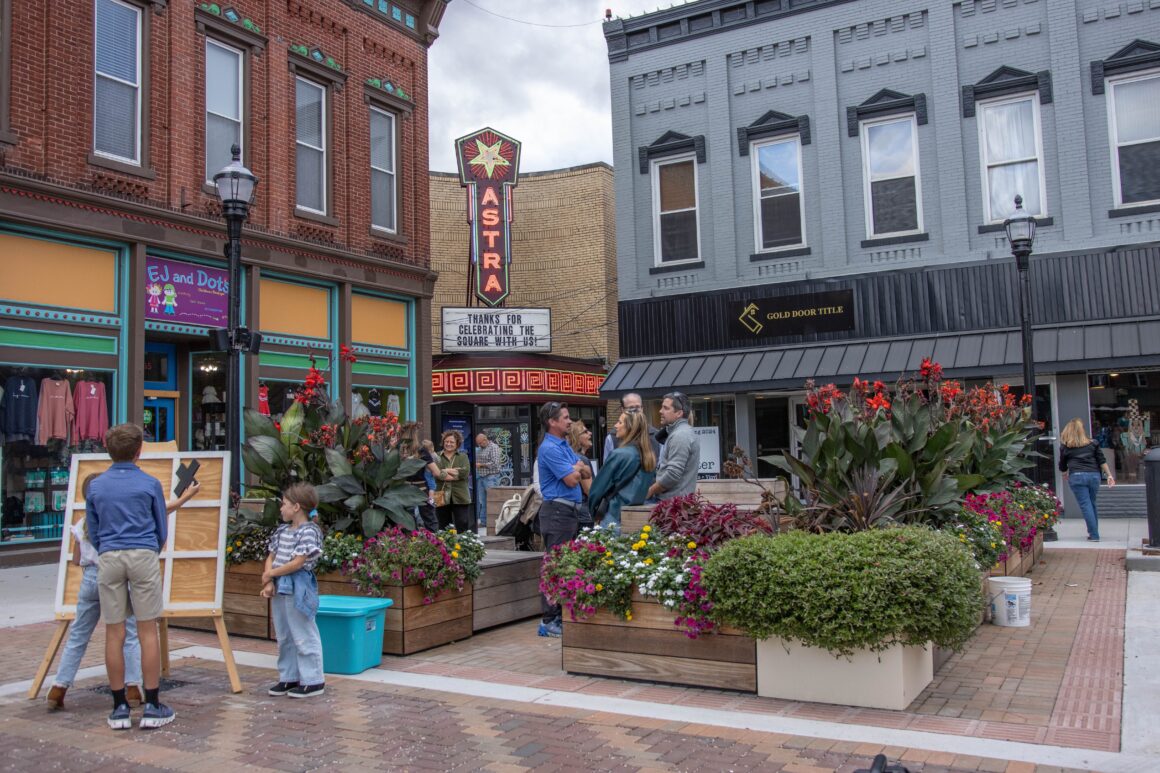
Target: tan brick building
[{"x": 564, "y": 259}]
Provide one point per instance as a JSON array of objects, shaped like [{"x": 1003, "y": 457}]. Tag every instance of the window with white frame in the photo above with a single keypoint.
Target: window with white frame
[
  {"x": 1012, "y": 157},
  {"x": 675, "y": 210},
  {"x": 310, "y": 135},
  {"x": 777, "y": 193},
  {"x": 1134, "y": 115},
  {"x": 224, "y": 103},
  {"x": 383, "y": 199},
  {"x": 893, "y": 192},
  {"x": 117, "y": 86}
]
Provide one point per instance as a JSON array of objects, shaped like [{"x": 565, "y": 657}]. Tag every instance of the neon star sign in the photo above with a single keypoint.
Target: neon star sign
[{"x": 489, "y": 164}]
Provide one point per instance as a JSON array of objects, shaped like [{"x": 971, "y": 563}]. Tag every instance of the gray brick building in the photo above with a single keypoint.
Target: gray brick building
[{"x": 817, "y": 189}]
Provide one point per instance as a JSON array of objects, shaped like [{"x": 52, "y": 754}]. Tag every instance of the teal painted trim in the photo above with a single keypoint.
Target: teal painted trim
[
  {"x": 63, "y": 342},
  {"x": 379, "y": 351},
  {"x": 60, "y": 237},
  {"x": 305, "y": 343},
  {"x": 173, "y": 327},
  {"x": 67, "y": 367},
  {"x": 55, "y": 315},
  {"x": 395, "y": 370},
  {"x": 287, "y": 360},
  {"x": 412, "y": 393}
]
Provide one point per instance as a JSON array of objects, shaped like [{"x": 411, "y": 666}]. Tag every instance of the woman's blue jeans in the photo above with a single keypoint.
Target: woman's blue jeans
[{"x": 1085, "y": 486}]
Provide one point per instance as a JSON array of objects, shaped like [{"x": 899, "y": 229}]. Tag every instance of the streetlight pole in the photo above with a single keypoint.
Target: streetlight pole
[
  {"x": 235, "y": 186},
  {"x": 1020, "y": 229}
]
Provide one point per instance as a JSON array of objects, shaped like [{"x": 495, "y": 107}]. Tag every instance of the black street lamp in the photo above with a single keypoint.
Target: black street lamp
[
  {"x": 235, "y": 186},
  {"x": 1020, "y": 229}
]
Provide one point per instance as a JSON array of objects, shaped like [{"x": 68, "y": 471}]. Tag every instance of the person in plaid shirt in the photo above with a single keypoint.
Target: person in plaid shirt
[{"x": 488, "y": 464}]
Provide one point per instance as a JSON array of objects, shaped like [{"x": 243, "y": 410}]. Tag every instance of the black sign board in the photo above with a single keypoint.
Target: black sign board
[{"x": 792, "y": 315}]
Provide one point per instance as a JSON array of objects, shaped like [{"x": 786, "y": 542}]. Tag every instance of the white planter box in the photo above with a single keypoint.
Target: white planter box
[{"x": 886, "y": 680}]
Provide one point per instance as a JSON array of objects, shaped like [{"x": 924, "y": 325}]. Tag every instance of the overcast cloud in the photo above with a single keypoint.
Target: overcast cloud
[{"x": 544, "y": 86}]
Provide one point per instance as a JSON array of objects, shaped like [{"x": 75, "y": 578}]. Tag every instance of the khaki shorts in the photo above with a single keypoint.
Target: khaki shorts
[{"x": 129, "y": 583}]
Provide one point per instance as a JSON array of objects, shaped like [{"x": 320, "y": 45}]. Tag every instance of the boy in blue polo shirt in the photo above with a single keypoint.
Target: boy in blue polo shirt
[
  {"x": 128, "y": 526},
  {"x": 560, "y": 473}
]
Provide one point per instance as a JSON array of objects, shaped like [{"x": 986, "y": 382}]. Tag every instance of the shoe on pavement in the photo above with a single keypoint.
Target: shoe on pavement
[
  {"x": 306, "y": 690},
  {"x": 156, "y": 715},
  {"x": 133, "y": 695},
  {"x": 552, "y": 629},
  {"x": 121, "y": 719},
  {"x": 281, "y": 688},
  {"x": 56, "y": 697},
  {"x": 1093, "y": 539}
]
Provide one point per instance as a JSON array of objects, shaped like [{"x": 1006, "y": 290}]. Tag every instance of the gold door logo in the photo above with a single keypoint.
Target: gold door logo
[{"x": 749, "y": 319}]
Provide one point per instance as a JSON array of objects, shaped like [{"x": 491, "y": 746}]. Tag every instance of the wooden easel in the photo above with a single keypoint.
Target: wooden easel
[{"x": 193, "y": 560}]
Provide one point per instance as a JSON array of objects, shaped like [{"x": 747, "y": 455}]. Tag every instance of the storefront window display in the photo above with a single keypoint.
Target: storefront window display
[
  {"x": 1125, "y": 410},
  {"x": 377, "y": 401},
  {"x": 46, "y": 414},
  {"x": 208, "y": 417}
]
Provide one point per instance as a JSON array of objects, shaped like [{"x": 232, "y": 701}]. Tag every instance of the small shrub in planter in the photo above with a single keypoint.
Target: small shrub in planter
[
  {"x": 709, "y": 525},
  {"x": 843, "y": 593}
]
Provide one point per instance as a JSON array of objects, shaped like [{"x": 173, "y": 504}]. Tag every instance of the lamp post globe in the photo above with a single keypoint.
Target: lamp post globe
[{"x": 235, "y": 186}]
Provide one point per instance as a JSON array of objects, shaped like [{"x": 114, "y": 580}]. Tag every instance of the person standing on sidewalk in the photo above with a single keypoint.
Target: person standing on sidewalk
[
  {"x": 488, "y": 465},
  {"x": 454, "y": 470},
  {"x": 1081, "y": 460},
  {"x": 128, "y": 526},
  {"x": 631, "y": 402},
  {"x": 677, "y": 469},
  {"x": 289, "y": 583},
  {"x": 88, "y": 614},
  {"x": 561, "y": 471}
]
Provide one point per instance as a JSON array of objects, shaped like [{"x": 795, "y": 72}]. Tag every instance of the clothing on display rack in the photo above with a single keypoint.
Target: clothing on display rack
[
  {"x": 393, "y": 404},
  {"x": 357, "y": 409},
  {"x": 55, "y": 413},
  {"x": 19, "y": 408},
  {"x": 264, "y": 400},
  {"x": 92, "y": 411},
  {"x": 374, "y": 402}
]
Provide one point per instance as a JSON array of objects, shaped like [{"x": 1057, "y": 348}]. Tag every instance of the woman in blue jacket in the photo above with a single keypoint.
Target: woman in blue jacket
[{"x": 627, "y": 472}]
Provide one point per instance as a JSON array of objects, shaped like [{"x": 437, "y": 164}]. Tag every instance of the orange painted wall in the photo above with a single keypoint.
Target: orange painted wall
[
  {"x": 53, "y": 274},
  {"x": 293, "y": 309},
  {"x": 378, "y": 321}
]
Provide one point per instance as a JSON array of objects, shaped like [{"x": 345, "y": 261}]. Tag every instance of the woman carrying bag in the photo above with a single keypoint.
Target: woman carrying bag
[
  {"x": 452, "y": 494},
  {"x": 1082, "y": 461},
  {"x": 627, "y": 472}
]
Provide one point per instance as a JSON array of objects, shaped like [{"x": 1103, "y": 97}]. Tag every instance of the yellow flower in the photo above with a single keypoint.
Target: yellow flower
[
  {"x": 238, "y": 543},
  {"x": 599, "y": 587},
  {"x": 455, "y": 554},
  {"x": 647, "y": 561},
  {"x": 607, "y": 553},
  {"x": 452, "y": 530},
  {"x": 338, "y": 534},
  {"x": 608, "y": 563},
  {"x": 456, "y": 547},
  {"x": 692, "y": 545},
  {"x": 646, "y": 529},
  {"x": 628, "y": 615},
  {"x": 230, "y": 549},
  {"x": 992, "y": 544}
]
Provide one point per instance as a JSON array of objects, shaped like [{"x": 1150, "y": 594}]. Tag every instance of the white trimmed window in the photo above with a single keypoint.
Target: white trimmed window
[
  {"x": 777, "y": 193},
  {"x": 1134, "y": 118},
  {"x": 310, "y": 135},
  {"x": 675, "y": 232},
  {"x": 892, "y": 190},
  {"x": 1012, "y": 157},
  {"x": 117, "y": 86},
  {"x": 384, "y": 209},
  {"x": 224, "y": 70}
]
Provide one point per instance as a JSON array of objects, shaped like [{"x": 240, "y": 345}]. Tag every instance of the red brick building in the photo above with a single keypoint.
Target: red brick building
[{"x": 114, "y": 116}]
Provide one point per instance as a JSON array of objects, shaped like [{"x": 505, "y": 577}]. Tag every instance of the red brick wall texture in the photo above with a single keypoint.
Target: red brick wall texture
[{"x": 52, "y": 109}]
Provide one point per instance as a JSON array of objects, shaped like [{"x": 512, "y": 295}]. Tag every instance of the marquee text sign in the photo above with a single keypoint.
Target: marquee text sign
[
  {"x": 489, "y": 166},
  {"x": 490, "y": 330},
  {"x": 793, "y": 315}
]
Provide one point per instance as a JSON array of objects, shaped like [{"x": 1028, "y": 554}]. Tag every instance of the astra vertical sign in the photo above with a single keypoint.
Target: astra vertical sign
[{"x": 489, "y": 166}]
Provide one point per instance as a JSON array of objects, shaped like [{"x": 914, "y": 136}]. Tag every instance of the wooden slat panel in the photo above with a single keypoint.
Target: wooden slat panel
[
  {"x": 413, "y": 595},
  {"x": 649, "y": 641},
  {"x": 422, "y": 615},
  {"x": 501, "y": 614},
  {"x": 246, "y": 604},
  {"x": 511, "y": 567},
  {"x": 672, "y": 670},
  {"x": 197, "y": 528},
  {"x": 430, "y": 636},
  {"x": 508, "y": 592},
  {"x": 194, "y": 580},
  {"x": 243, "y": 582}
]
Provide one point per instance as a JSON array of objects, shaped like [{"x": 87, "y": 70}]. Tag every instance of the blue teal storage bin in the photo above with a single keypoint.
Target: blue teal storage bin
[{"x": 352, "y": 632}]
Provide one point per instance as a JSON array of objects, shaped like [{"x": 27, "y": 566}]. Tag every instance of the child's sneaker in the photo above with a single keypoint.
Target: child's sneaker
[
  {"x": 307, "y": 690},
  {"x": 281, "y": 688},
  {"x": 552, "y": 629},
  {"x": 156, "y": 715},
  {"x": 121, "y": 719}
]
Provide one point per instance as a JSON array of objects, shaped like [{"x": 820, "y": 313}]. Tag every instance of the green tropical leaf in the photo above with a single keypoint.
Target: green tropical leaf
[
  {"x": 337, "y": 461},
  {"x": 329, "y": 492},
  {"x": 272, "y": 451},
  {"x": 355, "y": 503},
  {"x": 292, "y": 421},
  {"x": 256, "y": 464},
  {"x": 256, "y": 423},
  {"x": 373, "y": 521}
]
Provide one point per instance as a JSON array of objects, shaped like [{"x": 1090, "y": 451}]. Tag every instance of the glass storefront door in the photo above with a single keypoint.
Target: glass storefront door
[{"x": 1125, "y": 409}]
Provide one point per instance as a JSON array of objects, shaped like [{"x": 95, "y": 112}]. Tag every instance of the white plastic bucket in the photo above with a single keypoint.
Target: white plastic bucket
[{"x": 1010, "y": 601}]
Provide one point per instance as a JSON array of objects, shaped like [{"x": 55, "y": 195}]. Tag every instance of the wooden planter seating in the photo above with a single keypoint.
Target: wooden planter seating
[
  {"x": 649, "y": 647},
  {"x": 509, "y": 588}
]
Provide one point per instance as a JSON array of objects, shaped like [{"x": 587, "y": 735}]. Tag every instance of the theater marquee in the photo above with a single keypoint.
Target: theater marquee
[
  {"x": 489, "y": 166},
  {"x": 497, "y": 330}
]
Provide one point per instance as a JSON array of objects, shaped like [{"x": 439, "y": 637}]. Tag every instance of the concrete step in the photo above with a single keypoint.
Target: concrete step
[{"x": 1123, "y": 501}]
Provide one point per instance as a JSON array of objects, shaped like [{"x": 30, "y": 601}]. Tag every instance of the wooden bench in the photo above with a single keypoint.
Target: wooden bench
[{"x": 509, "y": 588}]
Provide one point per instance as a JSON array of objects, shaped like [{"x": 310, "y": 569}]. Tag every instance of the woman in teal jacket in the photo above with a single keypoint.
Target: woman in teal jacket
[{"x": 627, "y": 472}]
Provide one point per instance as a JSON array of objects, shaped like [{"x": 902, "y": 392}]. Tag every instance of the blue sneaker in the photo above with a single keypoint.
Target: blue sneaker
[
  {"x": 121, "y": 719},
  {"x": 156, "y": 715},
  {"x": 552, "y": 629}
]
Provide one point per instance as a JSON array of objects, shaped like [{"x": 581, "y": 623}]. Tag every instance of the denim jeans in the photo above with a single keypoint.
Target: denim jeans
[
  {"x": 1085, "y": 486},
  {"x": 88, "y": 615},
  {"x": 484, "y": 482},
  {"x": 299, "y": 643}
]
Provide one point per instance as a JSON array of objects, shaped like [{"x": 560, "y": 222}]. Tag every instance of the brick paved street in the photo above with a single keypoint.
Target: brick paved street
[{"x": 1055, "y": 684}]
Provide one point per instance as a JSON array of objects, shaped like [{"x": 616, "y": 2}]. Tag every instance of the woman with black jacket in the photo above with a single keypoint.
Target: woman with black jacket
[{"x": 1081, "y": 461}]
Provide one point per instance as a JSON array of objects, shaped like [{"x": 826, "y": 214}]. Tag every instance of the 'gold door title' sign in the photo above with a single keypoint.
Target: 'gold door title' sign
[{"x": 793, "y": 315}]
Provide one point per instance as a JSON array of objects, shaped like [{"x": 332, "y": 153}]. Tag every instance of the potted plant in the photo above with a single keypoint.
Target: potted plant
[{"x": 846, "y": 618}]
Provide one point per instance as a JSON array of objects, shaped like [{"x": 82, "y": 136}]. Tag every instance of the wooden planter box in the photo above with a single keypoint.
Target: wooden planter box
[
  {"x": 888, "y": 680},
  {"x": 650, "y": 647},
  {"x": 244, "y": 611},
  {"x": 412, "y": 626},
  {"x": 508, "y": 589}
]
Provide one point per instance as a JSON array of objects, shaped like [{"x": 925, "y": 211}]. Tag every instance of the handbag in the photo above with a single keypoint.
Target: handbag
[{"x": 440, "y": 497}]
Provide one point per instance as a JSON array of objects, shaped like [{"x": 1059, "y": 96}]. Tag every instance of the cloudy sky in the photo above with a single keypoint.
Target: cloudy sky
[{"x": 540, "y": 76}]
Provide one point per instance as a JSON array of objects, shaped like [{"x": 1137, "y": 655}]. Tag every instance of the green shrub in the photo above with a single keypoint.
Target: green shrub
[{"x": 847, "y": 592}]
